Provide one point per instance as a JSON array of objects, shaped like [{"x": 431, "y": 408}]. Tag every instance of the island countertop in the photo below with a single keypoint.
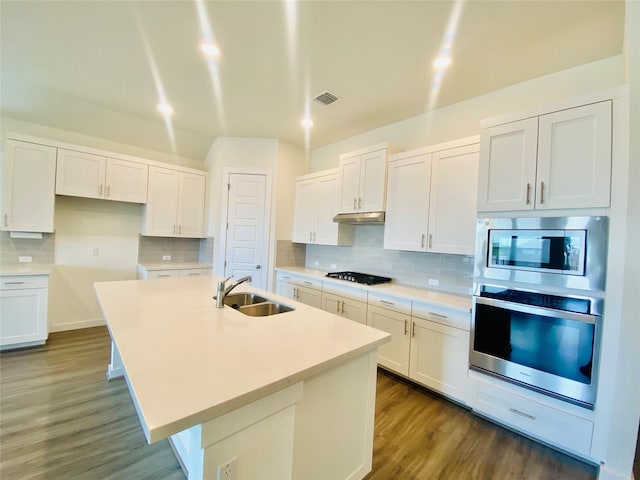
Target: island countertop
[{"x": 187, "y": 362}]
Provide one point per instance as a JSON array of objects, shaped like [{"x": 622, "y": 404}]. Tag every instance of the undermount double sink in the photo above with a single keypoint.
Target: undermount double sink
[{"x": 255, "y": 305}]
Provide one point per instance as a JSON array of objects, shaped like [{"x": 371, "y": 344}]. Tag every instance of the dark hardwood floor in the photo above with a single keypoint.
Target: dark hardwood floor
[{"x": 61, "y": 419}]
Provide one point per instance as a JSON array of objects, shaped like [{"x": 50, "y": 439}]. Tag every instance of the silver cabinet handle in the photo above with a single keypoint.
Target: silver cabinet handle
[
  {"x": 522, "y": 414},
  {"x": 314, "y": 236},
  {"x": 310, "y": 236},
  {"x": 174, "y": 229},
  {"x": 406, "y": 325},
  {"x": 338, "y": 306},
  {"x": 437, "y": 315},
  {"x": 430, "y": 240},
  {"x": 355, "y": 203},
  {"x": 6, "y": 219},
  {"x": 307, "y": 283},
  {"x": 179, "y": 229},
  {"x": 541, "y": 193},
  {"x": 528, "y": 193},
  {"x": 422, "y": 241},
  {"x": 108, "y": 190},
  {"x": 165, "y": 275},
  {"x": 413, "y": 330},
  {"x": 14, "y": 283},
  {"x": 359, "y": 203},
  {"x": 100, "y": 190},
  {"x": 387, "y": 303},
  {"x": 342, "y": 307}
]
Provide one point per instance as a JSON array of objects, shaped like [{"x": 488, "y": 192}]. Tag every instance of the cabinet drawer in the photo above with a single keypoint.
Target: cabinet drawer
[
  {"x": 442, "y": 315},
  {"x": 162, "y": 273},
  {"x": 390, "y": 303},
  {"x": 542, "y": 421},
  {"x": 194, "y": 272},
  {"x": 353, "y": 293},
  {"x": 300, "y": 280},
  {"x": 15, "y": 282}
]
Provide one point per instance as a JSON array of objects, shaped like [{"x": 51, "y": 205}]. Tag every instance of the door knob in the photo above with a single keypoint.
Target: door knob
[{"x": 258, "y": 267}]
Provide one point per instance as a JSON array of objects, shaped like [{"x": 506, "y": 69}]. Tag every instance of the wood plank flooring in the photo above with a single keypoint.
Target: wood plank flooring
[{"x": 61, "y": 419}]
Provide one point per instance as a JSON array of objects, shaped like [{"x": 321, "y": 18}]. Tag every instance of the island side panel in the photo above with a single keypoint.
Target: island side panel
[{"x": 333, "y": 436}]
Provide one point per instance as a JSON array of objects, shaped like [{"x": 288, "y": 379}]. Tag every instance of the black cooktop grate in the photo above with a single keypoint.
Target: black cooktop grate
[{"x": 359, "y": 277}]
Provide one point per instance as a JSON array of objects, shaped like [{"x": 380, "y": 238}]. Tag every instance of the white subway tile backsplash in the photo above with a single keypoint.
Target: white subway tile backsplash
[
  {"x": 453, "y": 272},
  {"x": 41, "y": 250}
]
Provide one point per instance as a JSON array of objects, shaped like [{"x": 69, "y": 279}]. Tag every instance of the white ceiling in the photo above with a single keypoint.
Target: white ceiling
[{"x": 82, "y": 65}]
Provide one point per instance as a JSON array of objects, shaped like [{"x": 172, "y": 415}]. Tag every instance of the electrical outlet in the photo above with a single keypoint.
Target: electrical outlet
[
  {"x": 25, "y": 259},
  {"x": 95, "y": 251},
  {"x": 434, "y": 282},
  {"x": 227, "y": 471},
  {"x": 333, "y": 266},
  {"x": 316, "y": 263},
  {"x": 166, "y": 257}
]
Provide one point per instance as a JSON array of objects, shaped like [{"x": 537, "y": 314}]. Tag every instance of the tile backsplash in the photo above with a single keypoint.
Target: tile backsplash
[
  {"x": 151, "y": 249},
  {"x": 41, "y": 250},
  {"x": 454, "y": 273},
  {"x": 289, "y": 254}
]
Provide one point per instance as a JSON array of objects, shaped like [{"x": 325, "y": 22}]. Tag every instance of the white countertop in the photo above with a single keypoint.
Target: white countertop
[
  {"x": 149, "y": 266},
  {"x": 451, "y": 300},
  {"x": 187, "y": 362},
  {"x": 26, "y": 269}
]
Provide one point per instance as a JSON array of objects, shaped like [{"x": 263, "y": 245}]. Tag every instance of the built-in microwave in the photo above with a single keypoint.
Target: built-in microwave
[{"x": 566, "y": 252}]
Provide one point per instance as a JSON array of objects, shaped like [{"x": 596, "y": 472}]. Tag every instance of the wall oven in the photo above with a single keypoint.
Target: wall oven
[{"x": 538, "y": 302}]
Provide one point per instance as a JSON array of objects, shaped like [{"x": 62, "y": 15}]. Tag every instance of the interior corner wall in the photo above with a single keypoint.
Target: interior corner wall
[
  {"x": 463, "y": 119},
  {"x": 293, "y": 161}
]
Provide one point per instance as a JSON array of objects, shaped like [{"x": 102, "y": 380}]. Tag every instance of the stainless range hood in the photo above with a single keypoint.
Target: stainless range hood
[{"x": 367, "y": 218}]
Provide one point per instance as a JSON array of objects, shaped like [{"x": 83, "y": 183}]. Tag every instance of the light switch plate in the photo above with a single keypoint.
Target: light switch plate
[
  {"x": 434, "y": 282},
  {"x": 25, "y": 259},
  {"x": 166, "y": 257}
]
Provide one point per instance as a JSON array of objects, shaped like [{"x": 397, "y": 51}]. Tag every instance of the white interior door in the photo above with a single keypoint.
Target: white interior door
[{"x": 245, "y": 252}]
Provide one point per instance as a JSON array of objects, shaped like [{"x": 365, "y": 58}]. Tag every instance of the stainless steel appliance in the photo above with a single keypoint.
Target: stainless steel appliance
[
  {"x": 357, "y": 277},
  {"x": 538, "y": 303}
]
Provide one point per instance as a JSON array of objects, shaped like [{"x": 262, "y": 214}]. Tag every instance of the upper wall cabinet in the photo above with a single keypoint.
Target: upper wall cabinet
[
  {"x": 557, "y": 160},
  {"x": 82, "y": 174},
  {"x": 362, "y": 179},
  {"x": 176, "y": 204},
  {"x": 28, "y": 176},
  {"x": 316, "y": 204},
  {"x": 431, "y": 199}
]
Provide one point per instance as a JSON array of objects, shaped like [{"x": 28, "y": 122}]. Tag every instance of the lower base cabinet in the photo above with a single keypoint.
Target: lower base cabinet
[
  {"x": 145, "y": 274},
  {"x": 23, "y": 311},
  {"x": 393, "y": 355},
  {"x": 299, "y": 289}
]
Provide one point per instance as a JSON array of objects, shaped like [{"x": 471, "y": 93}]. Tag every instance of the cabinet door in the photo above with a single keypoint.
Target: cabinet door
[
  {"x": 285, "y": 289},
  {"x": 23, "y": 316},
  {"x": 452, "y": 204},
  {"x": 162, "y": 274},
  {"x": 161, "y": 210},
  {"x": 126, "y": 181},
  {"x": 305, "y": 211},
  {"x": 331, "y": 303},
  {"x": 309, "y": 296},
  {"x": 354, "y": 310},
  {"x": 405, "y": 225},
  {"x": 574, "y": 158},
  {"x": 80, "y": 174},
  {"x": 373, "y": 176},
  {"x": 507, "y": 170},
  {"x": 393, "y": 355},
  {"x": 439, "y": 356},
  {"x": 191, "y": 205},
  {"x": 349, "y": 182},
  {"x": 195, "y": 272},
  {"x": 327, "y": 232},
  {"x": 28, "y": 177}
]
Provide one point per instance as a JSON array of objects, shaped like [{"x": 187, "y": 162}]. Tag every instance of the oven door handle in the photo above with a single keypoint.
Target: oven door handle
[{"x": 534, "y": 310}]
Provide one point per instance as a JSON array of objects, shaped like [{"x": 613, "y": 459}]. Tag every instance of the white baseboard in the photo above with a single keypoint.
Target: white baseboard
[{"x": 63, "y": 327}]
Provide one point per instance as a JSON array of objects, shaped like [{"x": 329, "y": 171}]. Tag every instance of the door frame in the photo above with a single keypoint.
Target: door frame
[{"x": 267, "y": 246}]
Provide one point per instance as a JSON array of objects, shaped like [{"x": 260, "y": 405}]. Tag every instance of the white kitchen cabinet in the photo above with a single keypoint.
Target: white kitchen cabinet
[
  {"x": 145, "y": 274},
  {"x": 23, "y": 310},
  {"x": 345, "y": 301},
  {"x": 431, "y": 199},
  {"x": 28, "y": 185},
  {"x": 316, "y": 205},
  {"x": 440, "y": 350},
  {"x": 406, "y": 217},
  {"x": 393, "y": 316},
  {"x": 557, "y": 160},
  {"x": 362, "y": 180},
  {"x": 175, "y": 204},
  {"x": 83, "y": 174},
  {"x": 299, "y": 288}
]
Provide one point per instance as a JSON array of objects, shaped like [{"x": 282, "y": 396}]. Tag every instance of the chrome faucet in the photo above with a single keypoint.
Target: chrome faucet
[{"x": 223, "y": 289}]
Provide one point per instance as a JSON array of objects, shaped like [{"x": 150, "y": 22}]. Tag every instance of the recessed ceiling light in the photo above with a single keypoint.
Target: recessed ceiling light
[
  {"x": 165, "y": 108},
  {"x": 210, "y": 50},
  {"x": 307, "y": 122},
  {"x": 442, "y": 62}
]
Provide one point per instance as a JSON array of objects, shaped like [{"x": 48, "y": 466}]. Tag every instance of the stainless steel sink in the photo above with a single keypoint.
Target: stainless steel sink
[
  {"x": 237, "y": 300},
  {"x": 265, "y": 309},
  {"x": 255, "y": 305}
]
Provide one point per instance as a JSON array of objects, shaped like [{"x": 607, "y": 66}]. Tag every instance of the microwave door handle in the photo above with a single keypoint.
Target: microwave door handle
[{"x": 534, "y": 310}]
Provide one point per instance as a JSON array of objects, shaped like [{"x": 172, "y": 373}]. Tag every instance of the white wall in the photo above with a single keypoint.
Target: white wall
[
  {"x": 292, "y": 162},
  {"x": 463, "y": 119}
]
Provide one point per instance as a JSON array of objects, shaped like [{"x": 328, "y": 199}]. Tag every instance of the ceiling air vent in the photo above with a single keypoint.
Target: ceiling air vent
[{"x": 326, "y": 98}]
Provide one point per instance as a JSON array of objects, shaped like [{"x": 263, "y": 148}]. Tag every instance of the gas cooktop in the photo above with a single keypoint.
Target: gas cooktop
[{"x": 359, "y": 277}]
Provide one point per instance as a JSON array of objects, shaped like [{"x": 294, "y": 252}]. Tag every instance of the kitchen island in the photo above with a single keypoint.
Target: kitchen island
[{"x": 290, "y": 395}]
